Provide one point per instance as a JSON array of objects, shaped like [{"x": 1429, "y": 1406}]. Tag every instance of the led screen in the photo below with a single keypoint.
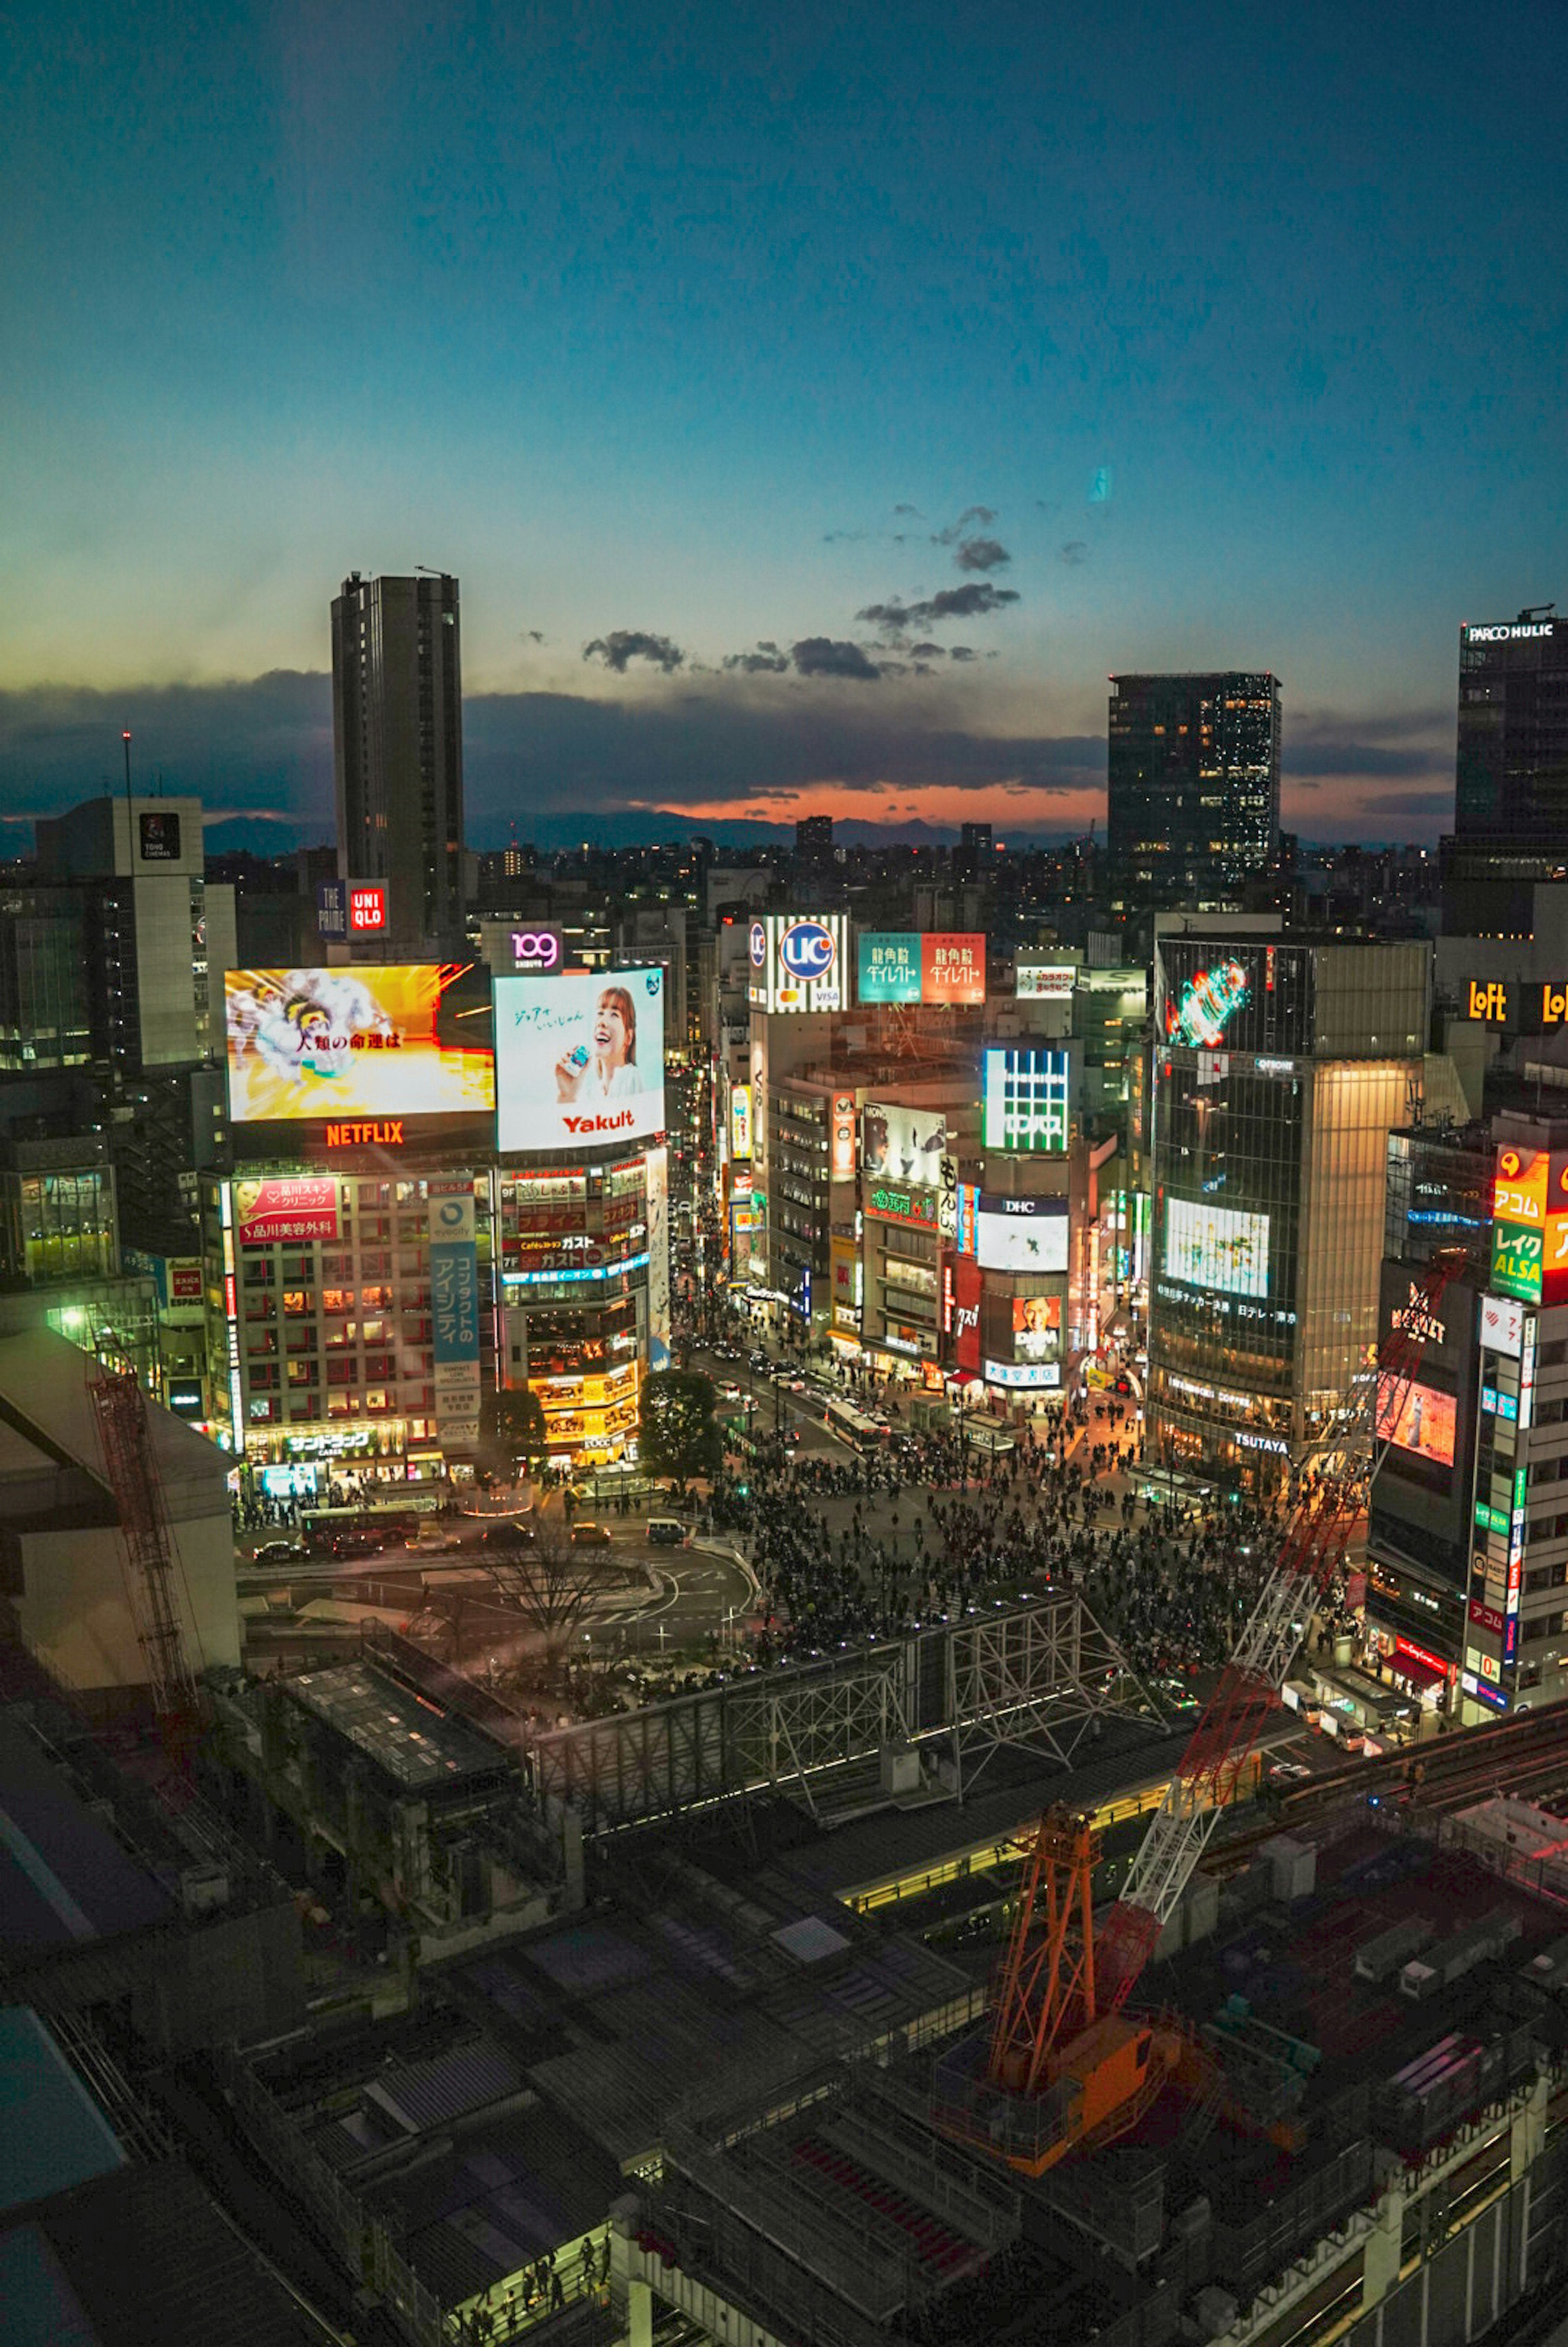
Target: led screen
[
  {"x": 909, "y": 1144},
  {"x": 1216, "y": 1247},
  {"x": 1420, "y": 1419},
  {"x": 1021, "y": 1233},
  {"x": 361, "y": 1041},
  {"x": 1027, "y": 1098},
  {"x": 580, "y": 1059},
  {"x": 1037, "y": 1326}
]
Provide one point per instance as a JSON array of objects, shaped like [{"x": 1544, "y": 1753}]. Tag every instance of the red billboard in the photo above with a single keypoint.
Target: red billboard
[
  {"x": 968, "y": 1285},
  {"x": 302, "y": 1208},
  {"x": 952, "y": 966}
]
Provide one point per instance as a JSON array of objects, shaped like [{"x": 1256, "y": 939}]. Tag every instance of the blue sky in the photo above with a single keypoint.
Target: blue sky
[{"x": 1238, "y": 342}]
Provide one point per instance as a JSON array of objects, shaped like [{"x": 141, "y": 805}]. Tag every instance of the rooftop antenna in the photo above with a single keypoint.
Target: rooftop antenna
[{"x": 124, "y": 737}]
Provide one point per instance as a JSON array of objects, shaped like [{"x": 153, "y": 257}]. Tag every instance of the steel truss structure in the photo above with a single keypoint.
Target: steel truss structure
[{"x": 1041, "y": 1675}]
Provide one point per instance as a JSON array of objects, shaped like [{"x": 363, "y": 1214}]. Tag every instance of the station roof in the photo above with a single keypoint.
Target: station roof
[{"x": 409, "y": 1738}]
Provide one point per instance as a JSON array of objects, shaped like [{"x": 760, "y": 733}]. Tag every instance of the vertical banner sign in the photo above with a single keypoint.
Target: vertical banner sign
[
  {"x": 455, "y": 1313},
  {"x": 658, "y": 1162}
]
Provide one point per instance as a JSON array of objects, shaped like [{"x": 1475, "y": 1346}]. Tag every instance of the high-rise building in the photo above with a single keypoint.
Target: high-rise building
[
  {"x": 1278, "y": 1070},
  {"x": 814, "y": 839},
  {"x": 1510, "y": 781},
  {"x": 397, "y": 744},
  {"x": 1194, "y": 790}
]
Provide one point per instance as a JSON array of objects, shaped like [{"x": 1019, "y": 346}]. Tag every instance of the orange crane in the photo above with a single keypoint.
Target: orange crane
[
  {"x": 131, "y": 1466},
  {"x": 1065, "y": 2067}
]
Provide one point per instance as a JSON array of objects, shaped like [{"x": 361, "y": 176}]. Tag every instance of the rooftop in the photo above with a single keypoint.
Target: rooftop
[{"x": 408, "y": 1736}]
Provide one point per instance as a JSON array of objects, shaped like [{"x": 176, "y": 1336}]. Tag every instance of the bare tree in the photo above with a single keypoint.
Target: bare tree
[{"x": 551, "y": 1585}]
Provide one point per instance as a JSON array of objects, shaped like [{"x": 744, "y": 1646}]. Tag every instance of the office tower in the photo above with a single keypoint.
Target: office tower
[
  {"x": 397, "y": 744},
  {"x": 814, "y": 838},
  {"x": 126, "y": 883},
  {"x": 1511, "y": 794},
  {"x": 1278, "y": 1070},
  {"x": 1194, "y": 788},
  {"x": 975, "y": 851}
]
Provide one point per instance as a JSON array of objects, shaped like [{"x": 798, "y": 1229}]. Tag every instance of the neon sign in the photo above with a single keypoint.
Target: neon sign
[{"x": 1206, "y": 1004}]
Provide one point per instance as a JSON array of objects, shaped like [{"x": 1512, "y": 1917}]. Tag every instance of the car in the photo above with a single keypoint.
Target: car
[
  {"x": 281, "y": 1551},
  {"x": 590, "y": 1535},
  {"x": 667, "y": 1532},
  {"x": 432, "y": 1539},
  {"x": 508, "y": 1535},
  {"x": 1288, "y": 1772},
  {"x": 352, "y": 1545}
]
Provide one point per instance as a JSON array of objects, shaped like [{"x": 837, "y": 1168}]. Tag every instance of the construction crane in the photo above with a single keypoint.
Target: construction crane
[
  {"x": 1065, "y": 2067},
  {"x": 125, "y": 1437}
]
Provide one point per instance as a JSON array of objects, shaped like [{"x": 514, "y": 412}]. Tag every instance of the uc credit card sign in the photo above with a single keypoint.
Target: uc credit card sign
[{"x": 798, "y": 961}]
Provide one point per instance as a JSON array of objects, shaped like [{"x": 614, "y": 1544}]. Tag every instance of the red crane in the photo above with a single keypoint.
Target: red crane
[
  {"x": 119, "y": 1407},
  {"x": 1056, "y": 2031}
]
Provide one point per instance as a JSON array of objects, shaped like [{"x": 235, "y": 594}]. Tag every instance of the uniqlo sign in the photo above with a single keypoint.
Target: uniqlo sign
[{"x": 367, "y": 909}]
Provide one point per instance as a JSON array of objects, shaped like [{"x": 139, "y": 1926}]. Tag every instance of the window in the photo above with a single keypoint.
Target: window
[{"x": 296, "y": 1301}]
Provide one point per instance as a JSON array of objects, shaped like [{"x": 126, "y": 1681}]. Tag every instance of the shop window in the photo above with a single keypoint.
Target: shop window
[
  {"x": 262, "y": 1411},
  {"x": 301, "y": 1373},
  {"x": 336, "y": 1300},
  {"x": 296, "y": 1301}
]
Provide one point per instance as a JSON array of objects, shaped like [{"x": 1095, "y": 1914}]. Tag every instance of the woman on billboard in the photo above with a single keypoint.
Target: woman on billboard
[{"x": 606, "y": 1067}]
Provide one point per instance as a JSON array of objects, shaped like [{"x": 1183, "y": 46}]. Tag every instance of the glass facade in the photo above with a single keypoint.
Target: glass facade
[
  {"x": 1274, "y": 1090},
  {"x": 1194, "y": 786}
]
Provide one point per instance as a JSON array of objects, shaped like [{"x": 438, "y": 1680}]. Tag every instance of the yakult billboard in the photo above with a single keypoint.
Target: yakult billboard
[{"x": 580, "y": 1059}]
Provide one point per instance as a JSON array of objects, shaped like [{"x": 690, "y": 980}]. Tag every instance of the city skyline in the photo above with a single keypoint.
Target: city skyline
[{"x": 815, "y": 421}]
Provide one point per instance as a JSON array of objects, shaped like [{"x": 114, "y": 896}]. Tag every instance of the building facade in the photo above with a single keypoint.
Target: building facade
[
  {"x": 1279, "y": 1071},
  {"x": 1510, "y": 776},
  {"x": 1193, "y": 810},
  {"x": 397, "y": 747}
]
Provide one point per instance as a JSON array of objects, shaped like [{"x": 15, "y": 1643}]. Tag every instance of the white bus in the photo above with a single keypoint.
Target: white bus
[{"x": 841, "y": 1417}]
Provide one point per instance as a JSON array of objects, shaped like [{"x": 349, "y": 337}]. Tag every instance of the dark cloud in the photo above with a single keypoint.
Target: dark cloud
[
  {"x": 1074, "y": 553},
  {"x": 962, "y": 653},
  {"x": 972, "y": 602},
  {"x": 821, "y": 656},
  {"x": 842, "y": 537},
  {"x": 534, "y": 637},
  {"x": 622, "y": 645},
  {"x": 909, "y": 512},
  {"x": 766, "y": 661},
  {"x": 927, "y": 651},
  {"x": 971, "y": 515},
  {"x": 259, "y": 753},
  {"x": 981, "y": 554}
]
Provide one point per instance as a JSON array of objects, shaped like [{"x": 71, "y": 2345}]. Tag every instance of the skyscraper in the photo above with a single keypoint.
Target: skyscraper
[
  {"x": 397, "y": 740},
  {"x": 1510, "y": 781},
  {"x": 1194, "y": 811}
]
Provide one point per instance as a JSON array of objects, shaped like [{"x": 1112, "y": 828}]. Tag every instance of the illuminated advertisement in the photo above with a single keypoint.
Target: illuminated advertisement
[
  {"x": 536, "y": 950},
  {"x": 1021, "y": 1233},
  {"x": 905, "y": 1143},
  {"x": 1037, "y": 1326},
  {"x": 1036, "y": 1374},
  {"x": 374, "y": 1049},
  {"x": 894, "y": 1205},
  {"x": 967, "y": 1289},
  {"x": 1529, "y": 1231},
  {"x": 921, "y": 966},
  {"x": 157, "y": 834},
  {"x": 1027, "y": 1089},
  {"x": 798, "y": 961},
  {"x": 1216, "y": 1247},
  {"x": 740, "y": 1120},
  {"x": 658, "y": 1257},
  {"x": 302, "y": 1209},
  {"x": 367, "y": 908},
  {"x": 887, "y": 966},
  {"x": 951, "y": 966},
  {"x": 580, "y": 1059},
  {"x": 1043, "y": 981},
  {"x": 1418, "y": 1420},
  {"x": 1503, "y": 1324},
  {"x": 1200, "y": 1013},
  {"x": 454, "y": 1315},
  {"x": 841, "y": 1138}
]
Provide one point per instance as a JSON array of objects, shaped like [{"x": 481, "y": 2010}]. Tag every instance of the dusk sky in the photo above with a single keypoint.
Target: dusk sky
[{"x": 816, "y": 405}]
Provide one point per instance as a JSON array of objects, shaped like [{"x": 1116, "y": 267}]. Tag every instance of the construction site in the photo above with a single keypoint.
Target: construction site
[{"x": 942, "y": 1991}]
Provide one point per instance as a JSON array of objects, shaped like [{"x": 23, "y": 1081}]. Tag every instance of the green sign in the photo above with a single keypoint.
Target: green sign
[
  {"x": 1516, "y": 1251},
  {"x": 1492, "y": 1519}
]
